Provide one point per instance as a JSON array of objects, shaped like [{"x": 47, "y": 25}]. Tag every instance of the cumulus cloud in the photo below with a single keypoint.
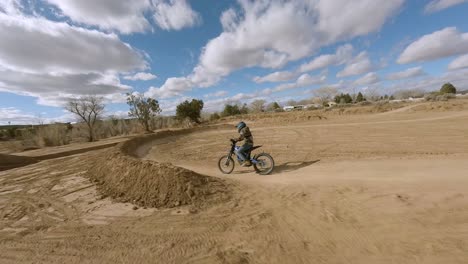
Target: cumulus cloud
[
  {"x": 438, "y": 5},
  {"x": 303, "y": 81},
  {"x": 175, "y": 86},
  {"x": 359, "y": 65},
  {"x": 40, "y": 45},
  {"x": 216, "y": 94},
  {"x": 370, "y": 78},
  {"x": 15, "y": 116},
  {"x": 439, "y": 44},
  {"x": 406, "y": 74},
  {"x": 218, "y": 103},
  {"x": 343, "y": 54},
  {"x": 54, "y": 89},
  {"x": 458, "y": 78},
  {"x": 129, "y": 16},
  {"x": 54, "y": 61},
  {"x": 280, "y": 76},
  {"x": 270, "y": 34},
  {"x": 124, "y": 16},
  {"x": 141, "y": 76},
  {"x": 459, "y": 63},
  {"x": 174, "y": 14},
  {"x": 12, "y": 7},
  {"x": 169, "y": 106}
]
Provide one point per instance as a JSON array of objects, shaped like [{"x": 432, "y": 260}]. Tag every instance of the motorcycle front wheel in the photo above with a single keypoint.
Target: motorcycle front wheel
[{"x": 226, "y": 164}]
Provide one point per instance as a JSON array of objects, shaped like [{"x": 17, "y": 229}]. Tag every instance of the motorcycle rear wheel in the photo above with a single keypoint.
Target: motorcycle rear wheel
[{"x": 265, "y": 164}]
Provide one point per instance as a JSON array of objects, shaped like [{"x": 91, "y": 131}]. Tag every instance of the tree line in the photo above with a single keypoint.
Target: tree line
[{"x": 89, "y": 109}]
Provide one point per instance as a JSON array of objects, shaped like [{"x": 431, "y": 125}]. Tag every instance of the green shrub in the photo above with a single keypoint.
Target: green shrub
[
  {"x": 230, "y": 110},
  {"x": 360, "y": 98},
  {"x": 190, "y": 110},
  {"x": 448, "y": 88},
  {"x": 274, "y": 107},
  {"x": 343, "y": 99},
  {"x": 214, "y": 116},
  {"x": 436, "y": 96}
]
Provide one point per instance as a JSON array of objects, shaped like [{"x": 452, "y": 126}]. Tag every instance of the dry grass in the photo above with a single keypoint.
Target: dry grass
[
  {"x": 10, "y": 146},
  {"x": 316, "y": 114},
  {"x": 63, "y": 134},
  {"x": 46, "y": 136}
]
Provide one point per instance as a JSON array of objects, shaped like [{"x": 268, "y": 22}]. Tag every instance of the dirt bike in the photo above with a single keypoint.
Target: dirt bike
[{"x": 263, "y": 163}]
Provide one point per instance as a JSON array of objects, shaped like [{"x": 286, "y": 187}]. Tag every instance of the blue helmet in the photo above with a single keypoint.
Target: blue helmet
[{"x": 240, "y": 126}]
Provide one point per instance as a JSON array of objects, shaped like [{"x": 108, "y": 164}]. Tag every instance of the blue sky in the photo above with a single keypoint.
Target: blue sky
[{"x": 221, "y": 51}]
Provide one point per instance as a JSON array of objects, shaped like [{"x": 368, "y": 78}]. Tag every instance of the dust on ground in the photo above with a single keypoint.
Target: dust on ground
[{"x": 356, "y": 188}]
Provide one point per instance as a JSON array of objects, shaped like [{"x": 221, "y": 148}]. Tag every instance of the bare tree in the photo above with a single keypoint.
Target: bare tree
[
  {"x": 325, "y": 94},
  {"x": 143, "y": 108},
  {"x": 273, "y": 107},
  {"x": 405, "y": 94},
  {"x": 88, "y": 109},
  {"x": 257, "y": 106},
  {"x": 372, "y": 94},
  {"x": 291, "y": 102}
]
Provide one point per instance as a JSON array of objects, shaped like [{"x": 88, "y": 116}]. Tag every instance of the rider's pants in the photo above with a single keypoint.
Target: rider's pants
[{"x": 242, "y": 151}]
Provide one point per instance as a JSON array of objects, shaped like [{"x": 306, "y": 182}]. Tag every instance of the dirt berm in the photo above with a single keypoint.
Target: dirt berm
[
  {"x": 122, "y": 175},
  {"x": 11, "y": 161}
]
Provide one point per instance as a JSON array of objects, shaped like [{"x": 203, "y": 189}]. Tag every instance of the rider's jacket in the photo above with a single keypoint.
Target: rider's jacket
[{"x": 245, "y": 134}]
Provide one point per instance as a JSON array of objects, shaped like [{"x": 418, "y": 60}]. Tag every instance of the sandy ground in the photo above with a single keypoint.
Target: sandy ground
[{"x": 377, "y": 188}]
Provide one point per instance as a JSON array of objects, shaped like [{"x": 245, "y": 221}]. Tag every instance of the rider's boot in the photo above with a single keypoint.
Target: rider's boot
[{"x": 246, "y": 163}]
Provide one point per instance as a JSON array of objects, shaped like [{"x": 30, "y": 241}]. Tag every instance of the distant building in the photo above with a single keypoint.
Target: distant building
[
  {"x": 313, "y": 106},
  {"x": 288, "y": 108},
  {"x": 411, "y": 99}
]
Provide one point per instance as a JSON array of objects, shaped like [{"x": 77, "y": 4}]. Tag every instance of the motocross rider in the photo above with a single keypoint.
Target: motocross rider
[{"x": 245, "y": 135}]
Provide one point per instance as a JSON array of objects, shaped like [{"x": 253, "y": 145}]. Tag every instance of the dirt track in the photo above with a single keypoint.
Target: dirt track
[{"x": 355, "y": 189}]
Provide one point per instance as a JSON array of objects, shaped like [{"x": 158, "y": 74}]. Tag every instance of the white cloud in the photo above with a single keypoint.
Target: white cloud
[
  {"x": 55, "y": 61},
  {"x": 129, "y": 16},
  {"x": 439, "y": 44},
  {"x": 172, "y": 87},
  {"x": 11, "y": 7},
  {"x": 269, "y": 34},
  {"x": 458, "y": 78},
  {"x": 343, "y": 54},
  {"x": 438, "y": 5},
  {"x": 218, "y": 104},
  {"x": 359, "y": 65},
  {"x": 303, "y": 81},
  {"x": 216, "y": 94},
  {"x": 141, "y": 76},
  {"x": 459, "y": 63},
  {"x": 174, "y": 14},
  {"x": 406, "y": 74},
  {"x": 370, "y": 78},
  {"x": 169, "y": 106},
  {"x": 116, "y": 114},
  {"x": 242, "y": 96},
  {"x": 55, "y": 89},
  {"x": 122, "y": 15},
  {"x": 279, "y": 76},
  {"x": 15, "y": 116},
  {"x": 39, "y": 45}
]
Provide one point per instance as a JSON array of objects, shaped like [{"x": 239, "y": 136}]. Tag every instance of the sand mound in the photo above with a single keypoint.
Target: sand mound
[
  {"x": 121, "y": 175},
  {"x": 10, "y": 161}
]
